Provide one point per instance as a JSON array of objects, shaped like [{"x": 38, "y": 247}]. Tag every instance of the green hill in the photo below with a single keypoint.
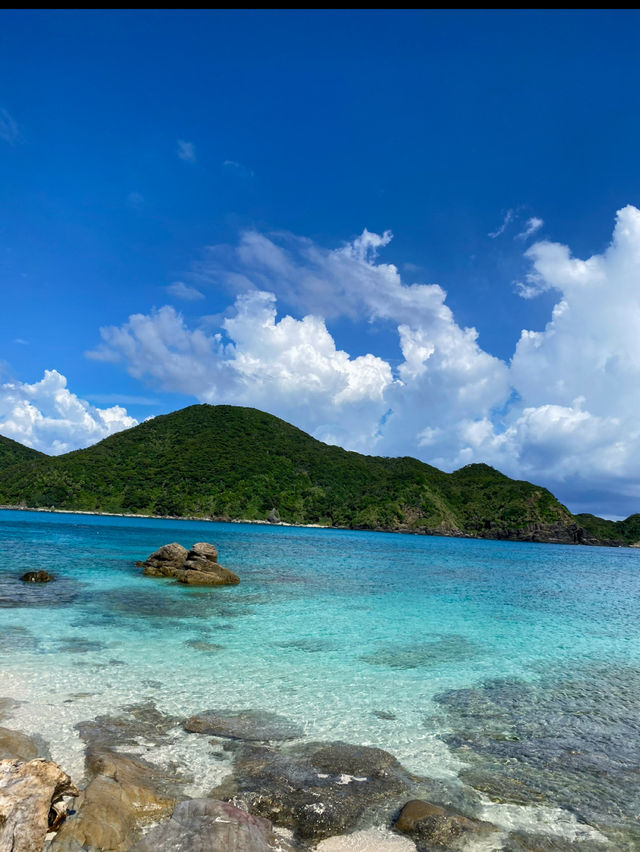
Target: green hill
[
  {"x": 231, "y": 462},
  {"x": 11, "y": 452}
]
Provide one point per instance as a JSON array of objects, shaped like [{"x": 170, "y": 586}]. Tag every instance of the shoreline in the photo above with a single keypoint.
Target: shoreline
[{"x": 531, "y": 538}]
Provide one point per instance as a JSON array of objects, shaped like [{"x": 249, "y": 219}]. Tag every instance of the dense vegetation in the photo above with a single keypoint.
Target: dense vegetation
[
  {"x": 230, "y": 462},
  {"x": 11, "y": 452},
  {"x": 627, "y": 531}
]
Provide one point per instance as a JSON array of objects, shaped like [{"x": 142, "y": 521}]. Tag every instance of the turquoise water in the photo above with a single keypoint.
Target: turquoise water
[{"x": 488, "y": 664}]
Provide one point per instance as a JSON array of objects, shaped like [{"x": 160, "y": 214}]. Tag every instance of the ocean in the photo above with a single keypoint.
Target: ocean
[{"x": 509, "y": 671}]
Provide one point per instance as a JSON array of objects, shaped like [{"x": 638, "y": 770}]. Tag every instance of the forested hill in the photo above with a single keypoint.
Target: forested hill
[
  {"x": 231, "y": 462},
  {"x": 11, "y": 452}
]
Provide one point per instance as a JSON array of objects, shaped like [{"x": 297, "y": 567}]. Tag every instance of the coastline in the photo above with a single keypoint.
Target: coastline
[{"x": 538, "y": 535}]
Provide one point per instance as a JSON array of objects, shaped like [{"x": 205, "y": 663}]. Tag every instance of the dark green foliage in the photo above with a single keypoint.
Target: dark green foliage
[
  {"x": 11, "y": 452},
  {"x": 230, "y": 462},
  {"x": 623, "y": 532}
]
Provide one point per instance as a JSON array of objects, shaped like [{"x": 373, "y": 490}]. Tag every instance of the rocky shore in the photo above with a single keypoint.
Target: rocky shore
[{"x": 281, "y": 794}]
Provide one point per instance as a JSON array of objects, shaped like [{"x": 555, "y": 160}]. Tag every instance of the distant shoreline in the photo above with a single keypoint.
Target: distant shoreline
[{"x": 265, "y": 523}]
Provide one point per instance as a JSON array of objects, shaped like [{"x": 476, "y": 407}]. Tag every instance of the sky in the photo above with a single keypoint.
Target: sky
[{"x": 407, "y": 233}]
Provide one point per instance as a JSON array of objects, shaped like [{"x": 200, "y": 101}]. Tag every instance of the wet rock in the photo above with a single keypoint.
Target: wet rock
[
  {"x": 248, "y": 725},
  {"x": 30, "y": 793},
  {"x": 196, "y": 567},
  {"x": 37, "y": 577},
  {"x": 317, "y": 790},
  {"x": 14, "y": 744},
  {"x": 137, "y": 723},
  {"x": 434, "y": 828},
  {"x": 207, "y": 825},
  {"x": 123, "y": 794}
]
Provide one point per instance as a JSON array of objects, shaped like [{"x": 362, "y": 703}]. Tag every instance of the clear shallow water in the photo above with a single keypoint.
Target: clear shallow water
[{"x": 514, "y": 666}]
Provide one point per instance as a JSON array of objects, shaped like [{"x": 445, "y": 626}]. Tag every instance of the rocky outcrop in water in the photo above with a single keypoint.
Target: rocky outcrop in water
[
  {"x": 196, "y": 567},
  {"x": 31, "y": 802},
  {"x": 203, "y": 825},
  {"x": 37, "y": 577}
]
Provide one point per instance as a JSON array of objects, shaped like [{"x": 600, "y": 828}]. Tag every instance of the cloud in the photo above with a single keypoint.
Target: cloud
[
  {"x": 186, "y": 151},
  {"x": 289, "y": 367},
  {"x": 531, "y": 227},
  {"x": 505, "y": 224},
  {"x": 563, "y": 412},
  {"x": 9, "y": 130},
  {"x": 180, "y": 290},
  {"x": 48, "y": 417}
]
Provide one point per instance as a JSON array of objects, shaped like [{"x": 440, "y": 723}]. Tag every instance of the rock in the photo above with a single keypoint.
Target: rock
[
  {"x": 196, "y": 567},
  {"x": 165, "y": 560},
  {"x": 138, "y": 723},
  {"x": 247, "y": 725},
  {"x": 274, "y": 516},
  {"x": 203, "y": 550},
  {"x": 31, "y": 794},
  {"x": 435, "y": 828},
  {"x": 37, "y": 577},
  {"x": 123, "y": 795},
  {"x": 208, "y": 575},
  {"x": 206, "y": 825},
  {"x": 318, "y": 790},
  {"x": 14, "y": 744}
]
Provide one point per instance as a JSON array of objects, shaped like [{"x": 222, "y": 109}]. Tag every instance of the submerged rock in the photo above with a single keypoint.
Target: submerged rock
[
  {"x": 248, "y": 725},
  {"x": 136, "y": 723},
  {"x": 15, "y": 744},
  {"x": 37, "y": 577},
  {"x": 207, "y": 825},
  {"x": 31, "y": 796},
  {"x": 196, "y": 567},
  {"x": 434, "y": 828},
  {"x": 317, "y": 790}
]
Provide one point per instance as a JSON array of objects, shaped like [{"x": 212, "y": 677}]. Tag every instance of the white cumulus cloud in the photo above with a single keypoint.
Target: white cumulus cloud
[
  {"x": 46, "y": 416},
  {"x": 563, "y": 412}
]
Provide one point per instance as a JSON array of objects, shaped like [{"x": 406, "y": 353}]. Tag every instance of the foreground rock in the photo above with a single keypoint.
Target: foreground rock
[
  {"x": 37, "y": 577},
  {"x": 434, "y": 828},
  {"x": 196, "y": 567},
  {"x": 31, "y": 802},
  {"x": 123, "y": 795},
  {"x": 247, "y": 725},
  {"x": 318, "y": 790},
  {"x": 206, "y": 825}
]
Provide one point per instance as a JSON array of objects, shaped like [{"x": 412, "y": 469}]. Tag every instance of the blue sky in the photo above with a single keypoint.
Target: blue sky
[{"x": 183, "y": 202}]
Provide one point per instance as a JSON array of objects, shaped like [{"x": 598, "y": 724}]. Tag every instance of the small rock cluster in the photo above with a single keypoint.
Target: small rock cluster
[{"x": 196, "y": 567}]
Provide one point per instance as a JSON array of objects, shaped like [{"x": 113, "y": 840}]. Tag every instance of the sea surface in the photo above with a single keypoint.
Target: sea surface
[{"x": 508, "y": 671}]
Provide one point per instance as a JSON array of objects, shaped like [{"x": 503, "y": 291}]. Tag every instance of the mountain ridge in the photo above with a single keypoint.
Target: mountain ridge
[{"x": 230, "y": 462}]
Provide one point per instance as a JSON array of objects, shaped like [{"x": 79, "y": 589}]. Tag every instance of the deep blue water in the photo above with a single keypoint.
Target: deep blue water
[{"x": 513, "y": 668}]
